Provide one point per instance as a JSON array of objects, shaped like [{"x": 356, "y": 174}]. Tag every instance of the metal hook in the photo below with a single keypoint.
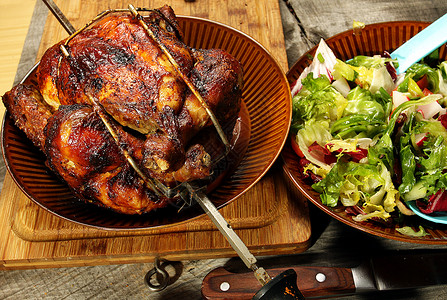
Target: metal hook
[{"x": 156, "y": 270}]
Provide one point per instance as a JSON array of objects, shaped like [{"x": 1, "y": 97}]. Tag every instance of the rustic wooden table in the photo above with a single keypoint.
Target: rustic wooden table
[{"x": 332, "y": 243}]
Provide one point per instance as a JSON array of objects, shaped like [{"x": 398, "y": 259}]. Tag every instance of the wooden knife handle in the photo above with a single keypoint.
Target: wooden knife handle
[{"x": 312, "y": 282}]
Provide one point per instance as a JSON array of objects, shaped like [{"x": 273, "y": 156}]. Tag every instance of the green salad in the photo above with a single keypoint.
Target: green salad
[{"x": 369, "y": 139}]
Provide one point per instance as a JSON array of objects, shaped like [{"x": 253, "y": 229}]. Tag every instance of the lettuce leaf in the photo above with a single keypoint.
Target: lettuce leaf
[
  {"x": 369, "y": 72},
  {"x": 375, "y": 61},
  {"x": 318, "y": 100},
  {"x": 342, "y": 69},
  {"x": 363, "y": 116},
  {"x": 407, "y": 230},
  {"x": 442, "y": 75},
  {"x": 428, "y": 154},
  {"x": 383, "y": 151},
  {"x": 351, "y": 183},
  {"x": 314, "y": 131},
  {"x": 418, "y": 70},
  {"x": 361, "y": 102}
]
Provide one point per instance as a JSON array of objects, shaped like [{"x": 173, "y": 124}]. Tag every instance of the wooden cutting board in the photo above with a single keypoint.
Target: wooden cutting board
[{"x": 271, "y": 218}]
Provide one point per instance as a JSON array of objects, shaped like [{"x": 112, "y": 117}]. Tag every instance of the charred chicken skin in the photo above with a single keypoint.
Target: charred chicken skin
[{"x": 118, "y": 94}]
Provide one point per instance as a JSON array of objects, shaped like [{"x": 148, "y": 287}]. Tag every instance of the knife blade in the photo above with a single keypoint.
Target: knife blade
[
  {"x": 422, "y": 44},
  {"x": 381, "y": 273}
]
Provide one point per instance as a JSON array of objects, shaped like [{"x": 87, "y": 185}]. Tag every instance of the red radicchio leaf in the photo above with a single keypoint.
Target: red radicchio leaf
[
  {"x": 443, "y": 120},
  {"x": 322, "y": 154},
  {"x": 358, "y": 154},
  {"x": 386, "y": 223},
  {"x": 437, "y": 202},
  {"x": 423, "y": 84},
  {"x": 354, "y": 210},
  {"x": 397, "y": 167},
  {"x": 390, "y": 67}
]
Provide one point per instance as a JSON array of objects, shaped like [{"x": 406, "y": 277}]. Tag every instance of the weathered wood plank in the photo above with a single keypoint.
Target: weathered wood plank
[{"x": 322, "y": 19}]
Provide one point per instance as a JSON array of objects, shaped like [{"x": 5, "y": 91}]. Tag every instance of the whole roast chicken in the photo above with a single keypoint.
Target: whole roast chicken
[{"x": 114, "y": 113}]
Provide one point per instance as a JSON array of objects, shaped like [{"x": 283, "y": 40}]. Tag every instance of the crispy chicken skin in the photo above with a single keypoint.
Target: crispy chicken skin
[
  {"x": 29, "y": 111},
  {"x": 116, "y": 63},
  {"x": 132, "y": 79},
  {"x": 116, "y": 73},
  {"x": 81, "y": 150}
]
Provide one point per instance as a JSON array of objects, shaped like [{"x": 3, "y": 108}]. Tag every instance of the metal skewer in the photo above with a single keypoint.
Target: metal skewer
[
  {"x": 59, "y": 16},
  {"x": 235, "y": 241}
]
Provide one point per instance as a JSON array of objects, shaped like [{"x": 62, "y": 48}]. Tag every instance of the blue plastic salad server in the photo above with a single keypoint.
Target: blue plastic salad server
[
  {"x": 411, "y": 52},
  {"x": 438, "y": 217},
  {"x": 421, "y": 44}
]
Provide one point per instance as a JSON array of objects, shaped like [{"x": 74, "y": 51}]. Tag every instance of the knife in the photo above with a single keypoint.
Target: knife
[
  {"x": 421, "y": 44},
  {"x": 390, "y": 271}
]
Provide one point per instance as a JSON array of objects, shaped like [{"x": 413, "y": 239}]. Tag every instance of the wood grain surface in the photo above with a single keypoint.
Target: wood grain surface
[
  {"x": 269, "y": 218},
  {"x": 15, "y": 17},
  {"x": 333, "y": 244},
  {"x": 259, "y": 19}
]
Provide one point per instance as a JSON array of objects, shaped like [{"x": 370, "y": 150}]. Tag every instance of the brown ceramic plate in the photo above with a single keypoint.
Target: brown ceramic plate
[
  {"x": 264, "y": 128},
  {"x": 373, "y": 39}
]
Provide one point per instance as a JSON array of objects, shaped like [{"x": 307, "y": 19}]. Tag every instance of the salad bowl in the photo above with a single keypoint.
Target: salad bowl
[{"x": 371, "y": 40}]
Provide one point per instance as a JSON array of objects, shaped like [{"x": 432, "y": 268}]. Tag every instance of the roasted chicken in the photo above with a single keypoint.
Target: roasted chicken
[{"x": 117, "y": 98}]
